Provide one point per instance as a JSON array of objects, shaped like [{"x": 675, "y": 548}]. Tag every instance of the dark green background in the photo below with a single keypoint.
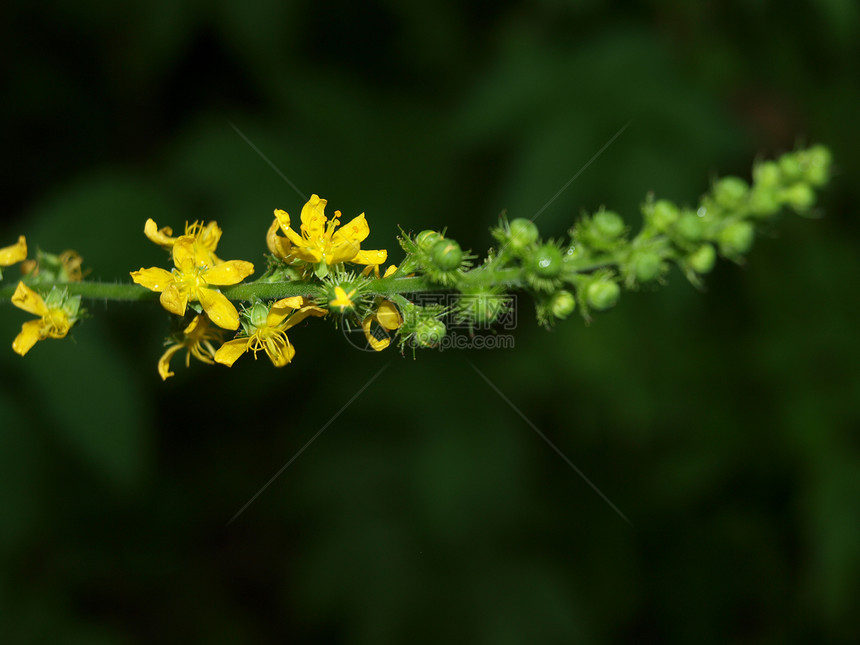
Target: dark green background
[{"x": 724, "y": 424}]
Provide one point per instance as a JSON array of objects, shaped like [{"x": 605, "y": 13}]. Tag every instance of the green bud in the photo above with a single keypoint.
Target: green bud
[
  {"x": 767, "y": 174},
  {"x": 55, "y": 298},
  {"x": 800, "y": 197},
  {"x": 664, "y": 214},
  {"x": 546, "y": 262},
  {"x": 257, "y": 314},
  {"x": 602, "y": 295},
  {"x": 736, "y": 239},
  {"x": 483, "y": 307},
  {"x": 523, "y": 233},
  {"x": 646, "y": 265},
  {"x": 562, "y": 304},
  {"x": 702, "y": 260},
  {"x": 790, "y": 167},
  {"x": 426, "y": 239},
  {"x": 729, "y": 192},
  {"x": 446, "y": 255},
  {"x": 608, "y": 224},
  {"x": 763, "y": 202},
  {"x": 818, "y": 160},
  {"x": 690, "y": 227},
  {"x": 430, "y": 333}
]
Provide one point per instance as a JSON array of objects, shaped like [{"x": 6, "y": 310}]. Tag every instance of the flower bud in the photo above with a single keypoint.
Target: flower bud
[
  {"x": 763, "y": 202},
  {"x": 446, "y": 255},
  {"x": 608, "y": 225},
  {"x": 646, "y": 265},
  {"x": 523, "y": 233},
  {"x": 429, "y": 333},
  {"x": 790, "y": 168},
  {"x": 664, "y": 214},
  {"x": 767, "y": 175},
  {"x": 800, "y": 197},
  {"x": 426, "y": 239},
  {"x": 690, "y": 227},
  {"x": 257, "y": 314},
  {"x": 729, "y": 192},
  {"x": 562, "y": 304},
  {"x": 818, "y": 159},
  {"x": 546, "y": 262},
  {"x": 482, "y": 307},
  {"x": 736, "y": 239},
  {"x": 702, "y": 260},
  {"x": 602, "y": 295}
]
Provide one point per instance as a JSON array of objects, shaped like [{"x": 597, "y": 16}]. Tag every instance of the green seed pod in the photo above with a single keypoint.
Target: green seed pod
[
  {"x": 736, "y": 239},
  {"x": 729, "y": 192},
  {"x": 426, "y": 239},
  {"x": 562, "y": 304},
  {"x": 767, "y": 175},
  {"x": 646, "y": 265},
  {"x": 429, "y": 333},
  {"x": 800, "y": 197},
  {"x": 608, "y": 225},
  {"x": 763, "y": 202},
  {"x": 523, "y": 233},
  {"x": 481, "y": 307},
  {"x": 664, "y": 214},
  {"x": 446, "y": 255},
  {"x": 257, "y": 314},
  {"x": 602, "y": 295},
  {"x": 690, "y": 227},
  {"x": 702, "y": 260},
  {"x": 546, "y": 262}
]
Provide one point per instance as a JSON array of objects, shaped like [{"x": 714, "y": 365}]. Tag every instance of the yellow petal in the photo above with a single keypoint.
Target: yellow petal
[
  {"x": 154, "y": 278},
  {"x": 303, "y": 313},
  {"x": 388, "y": 316},
  {"x": 390, "y": 270},
  {"x": 377, "y": 344},
  {"x": 354, "y": 231},
  {"x": 10, "y": 255},
  {"x": 230, "y": 351},
  {"x": 370, "y": 257},
  {"x": 313, "y": 217},
  {"x": 341, "y": 298},
  {"x": 230, "y": 272},
  {"x": 184, "y": 255},
  {"x": 174, "y": 299},
  {"x": 220, "y": 310},
  {"x": 343, "y": 252},
  {"x": 209, "y": 237},
  {"x": 29, "y": 336},
  {"x": 282, "y": 217},
  {"x": 278, "y": 246},
  {"x": 281, "y": 356},
  {"x": 306, "y": 254},
  {"x": 164, "y": 361},
  {"x": 157, "y": 235},
  {"x": 28, "y": 300}
]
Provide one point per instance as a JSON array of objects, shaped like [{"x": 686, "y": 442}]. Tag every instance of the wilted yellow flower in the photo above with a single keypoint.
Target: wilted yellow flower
[
  {"x": 319, "y": 240},
  {"x": 56, "y": 316},
  {"x": 342, "y": 300},
  {"x": 206, "y": 238},
  {"x": 197, "y": 339},
  {"x": 268, "y": 332},
  {"x": 65, "y": 267},
  {"x": 190, "y": 280},
  {"x": 386, "y": 316},
  {"x": 15, "y": 253}
]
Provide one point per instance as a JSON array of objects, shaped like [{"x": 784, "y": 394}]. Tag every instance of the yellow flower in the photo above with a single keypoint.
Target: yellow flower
[
  {"x": 268, "y": 332},
  {"x": 206, "y": 237},
  {"x": 14, "y": 254},
  {"x": 342, "y": 300},
  {"x": 319, "y": 241},
  {"x": 190, "y": 280},
  {"x": 197, "y": 339},
  {"x": 387, "y": 317},
  {"x": 56, "y": 316}
]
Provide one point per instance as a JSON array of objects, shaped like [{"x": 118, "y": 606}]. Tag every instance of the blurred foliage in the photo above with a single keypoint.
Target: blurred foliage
[{"x": 724, "y": 425}]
